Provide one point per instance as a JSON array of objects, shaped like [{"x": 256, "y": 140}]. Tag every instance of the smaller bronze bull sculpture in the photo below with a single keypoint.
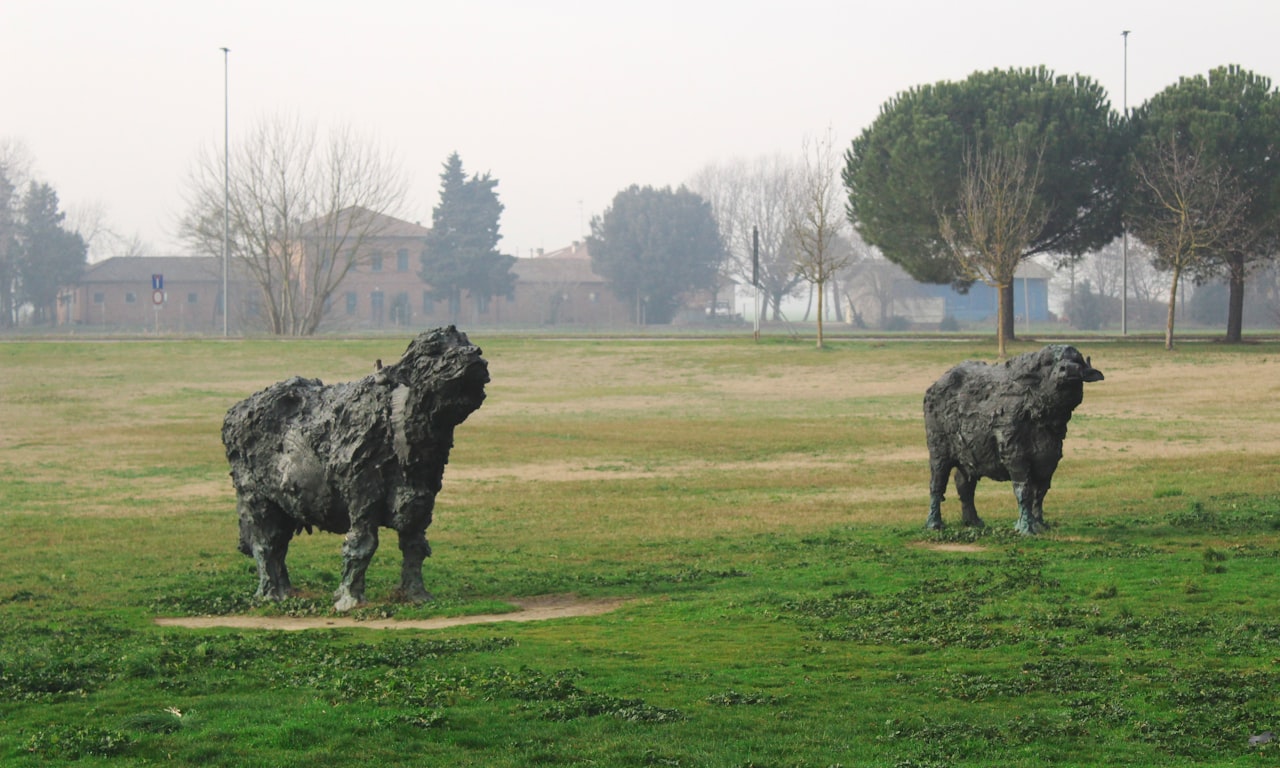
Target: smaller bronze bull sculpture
[{"x": 1005, "y": 422}]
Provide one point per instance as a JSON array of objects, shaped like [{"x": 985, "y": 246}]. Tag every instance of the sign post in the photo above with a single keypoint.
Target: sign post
[{"x": 157, "y": 296}]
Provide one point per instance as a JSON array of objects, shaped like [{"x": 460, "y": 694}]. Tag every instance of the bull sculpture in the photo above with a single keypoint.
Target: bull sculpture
[
  {"x": 350, "y": 458},
  {"x": 1006, "y": 422}
]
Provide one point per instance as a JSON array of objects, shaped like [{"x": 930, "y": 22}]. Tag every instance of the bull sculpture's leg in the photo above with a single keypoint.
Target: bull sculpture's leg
[
  {"x": 1028, "y": 493},
  {"x": 357, "y": 552},
  {"x": 265, "y": 533},
  {"x": 939, "y": 473},
  {"x": 1037, "y": 505},
  {"x": 415, "y": 548},
  {"x": 411, "y": 517},
  {"x": 965, "y": 487}
]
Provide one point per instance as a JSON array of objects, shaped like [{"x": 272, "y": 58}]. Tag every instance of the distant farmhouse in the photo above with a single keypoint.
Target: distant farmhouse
[
  {"x": 383, "y": 291},
  {"x": 878, "y": 291},
  {"x": 122, "y": 293}
]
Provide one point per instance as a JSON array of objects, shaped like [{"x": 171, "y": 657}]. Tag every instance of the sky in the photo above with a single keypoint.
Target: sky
[{"x": 564, "y": 103}]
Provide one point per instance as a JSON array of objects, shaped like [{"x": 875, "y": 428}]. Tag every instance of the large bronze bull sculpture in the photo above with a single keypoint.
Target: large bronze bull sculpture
[{"x": 350, "y": 458}]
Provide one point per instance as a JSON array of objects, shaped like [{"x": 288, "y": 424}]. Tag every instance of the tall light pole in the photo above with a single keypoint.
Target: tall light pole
[
  {"x": 1124, "y": 233},
  {"x": 226, "y": 186}
]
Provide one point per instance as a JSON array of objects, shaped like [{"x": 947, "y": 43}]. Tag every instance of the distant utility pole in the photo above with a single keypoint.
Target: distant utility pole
[
  {"x": 226, "y": 186},
  {"x": 755, "y": 277},
  {"x": 1124, "y": 233}
]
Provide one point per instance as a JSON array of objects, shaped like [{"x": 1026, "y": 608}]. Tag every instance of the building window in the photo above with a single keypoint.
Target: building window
[
  {"x": 99, "y": 298},
  {"x": 130, "y": 298},
  {"x": 400, "y": 308},
  {"x": 351, "y": 302},
  {"x": 427, "y": 303},
  {"x": 192, "y": 298},
  {"x": 375, "y": 262},
  {"x": 402, "y": 260},
  {"x": 377, "y": 307}
]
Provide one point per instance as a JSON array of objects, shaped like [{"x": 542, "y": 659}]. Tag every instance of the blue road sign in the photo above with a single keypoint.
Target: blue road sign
[{"x": 157, "y": 282}]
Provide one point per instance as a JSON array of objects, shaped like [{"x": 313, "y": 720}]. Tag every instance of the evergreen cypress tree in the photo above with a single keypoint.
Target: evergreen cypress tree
[{"x": 461, "y": 251}]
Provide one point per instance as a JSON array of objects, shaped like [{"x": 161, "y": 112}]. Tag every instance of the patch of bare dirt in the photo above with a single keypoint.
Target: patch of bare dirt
[
  {"x": 540, "y": 608},
  {"x": 953, "y": 547}
]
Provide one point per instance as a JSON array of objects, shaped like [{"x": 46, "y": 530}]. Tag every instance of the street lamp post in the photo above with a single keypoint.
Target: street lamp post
[
  {"x": 1124, "y": 233},
  {"x": 226, "y": 187}
]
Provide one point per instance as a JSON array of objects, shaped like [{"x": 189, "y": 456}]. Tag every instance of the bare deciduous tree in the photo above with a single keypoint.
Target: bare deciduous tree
[
  {"x": 755, "y": 195},
  {"x": 869, "y": 280},
  {"x": 301, "y": 211},
  {"x": 91, "y": 222},
  {"x": 818, "y": 218},
  {"x": 998, "y": 215},
  {"x": 1185, "y": 208}
]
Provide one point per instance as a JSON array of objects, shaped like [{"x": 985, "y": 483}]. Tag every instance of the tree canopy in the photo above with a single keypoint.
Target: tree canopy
[
  {"x": 653, "y": 245},
  {"x": 1230, "y": 122},
  {"x": 905, "y": 173},
  {"x": 461, "y": 252},
  {"x": 49, "y": 255}
]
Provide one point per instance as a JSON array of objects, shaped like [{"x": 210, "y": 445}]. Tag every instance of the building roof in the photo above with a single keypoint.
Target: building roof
[
  {"x": 578, "y": 250},
  {"x": 125, "y": 269},
  {"x": 379, "y": 224},
  {"x": 550, "y": 269},
  {"x": 1032, "y": 270},
  {"x": 570, "y": 265}
]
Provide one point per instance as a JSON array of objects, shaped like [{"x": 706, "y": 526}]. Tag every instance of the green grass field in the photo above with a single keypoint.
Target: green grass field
[{"x": 758, "y": 506}]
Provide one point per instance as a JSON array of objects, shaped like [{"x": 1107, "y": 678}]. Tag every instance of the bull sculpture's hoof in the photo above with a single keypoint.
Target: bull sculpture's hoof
[
  {"x": 413, "y": 596},
  {"x": 345, "y": 601},
  {"x": 1030, "y": 527}
]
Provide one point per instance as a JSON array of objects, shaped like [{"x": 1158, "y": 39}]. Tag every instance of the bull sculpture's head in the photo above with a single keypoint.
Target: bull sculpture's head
[
  {"x": 1071, "y": 366},
  {"x": 438, "y": 383}
]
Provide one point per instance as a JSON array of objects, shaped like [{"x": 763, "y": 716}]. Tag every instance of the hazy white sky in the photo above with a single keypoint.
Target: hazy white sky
[{"x": 565, "y": 103}]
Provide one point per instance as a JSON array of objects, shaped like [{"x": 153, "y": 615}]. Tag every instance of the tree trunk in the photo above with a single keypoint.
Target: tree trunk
[
  {"x": 1004, "y": 298},
  {"x": 1006, "y": 314},
  {"x": 1235, "y": 298},
  {"x": 821, "y": 290},
  {"x": 1173, "y": 307}
]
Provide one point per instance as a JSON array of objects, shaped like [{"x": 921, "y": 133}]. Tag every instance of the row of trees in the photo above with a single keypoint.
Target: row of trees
[
  {"x": 956, "y": 182},
  {"x": 960, "y": 181},
  {"x": 303, "y": 208},
  {"x": 289, "y": 188},
  {"x": 775, "y": 225},
  {"x": 38, "y": 253}
]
